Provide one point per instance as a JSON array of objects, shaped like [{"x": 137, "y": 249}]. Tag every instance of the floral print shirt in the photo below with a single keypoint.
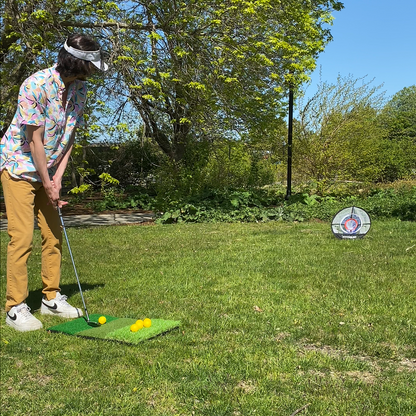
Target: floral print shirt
[{"x": 40, "y": 104}]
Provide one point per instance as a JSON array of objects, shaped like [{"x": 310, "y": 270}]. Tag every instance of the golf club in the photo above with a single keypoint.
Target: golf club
[{"x": 87, "y": 317}]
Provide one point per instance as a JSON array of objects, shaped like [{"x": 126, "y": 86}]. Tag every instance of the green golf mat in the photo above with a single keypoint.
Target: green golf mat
[{"x": 115, "y": 329}]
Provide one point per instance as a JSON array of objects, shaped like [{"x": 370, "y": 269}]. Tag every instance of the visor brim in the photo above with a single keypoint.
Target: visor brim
[{"x": 100, "y": 65}]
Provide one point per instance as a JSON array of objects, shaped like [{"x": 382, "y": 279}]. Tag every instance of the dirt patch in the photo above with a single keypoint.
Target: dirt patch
[
  {"x": 365, "y": 377},
  {"x": 407, "y": 365},
  {"x": 338, "y": 353},
  {"x": 246, "y": 387}
]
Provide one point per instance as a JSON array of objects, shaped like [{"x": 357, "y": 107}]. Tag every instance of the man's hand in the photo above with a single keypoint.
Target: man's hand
[
  {"x": 56, "y": 185},
  {"x": 52, "y": 193},
  {"x": 52, "y": 187},
  {"x": 62, "y": 203}
]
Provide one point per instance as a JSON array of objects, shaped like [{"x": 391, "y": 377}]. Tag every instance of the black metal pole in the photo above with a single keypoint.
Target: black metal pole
[{"x": 289, "y": 146}]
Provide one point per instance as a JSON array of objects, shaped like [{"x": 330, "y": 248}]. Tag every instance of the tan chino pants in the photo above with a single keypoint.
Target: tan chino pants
[{"x": 24, "y": 200}]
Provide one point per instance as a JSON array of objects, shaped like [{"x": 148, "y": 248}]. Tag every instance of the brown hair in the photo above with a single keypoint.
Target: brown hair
[{"x": 69, "y": 65}]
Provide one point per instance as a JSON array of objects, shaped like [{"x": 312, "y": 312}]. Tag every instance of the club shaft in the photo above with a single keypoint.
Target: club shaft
[{"x": 73, "y": 262}]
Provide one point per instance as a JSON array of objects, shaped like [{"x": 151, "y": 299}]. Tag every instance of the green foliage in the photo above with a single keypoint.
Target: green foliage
[
  {"x": 399, "y": 115},
  {"x": 220, "y": 165},
  {"x": 114, "y": 201},
  {"x": 31, "y": 32},
  {"x": 108, "y": 181},
  {"x": 81, "y": 192},
  {"x": 337, "y": 137},
  {"x": 348, "y": 132},
  {"x": 398, "y": 121},
  {"x": 229, "y": 165},
  {"x": 220, "y": 206},
  {"x": 111, "y": 196},
  {"x": 204, "y": 85},
  {"x": 398, "y": 160},
  {"x": 109, "y": 189},
  {"x": 237, "y": 164},
  {"x": 392, "y": 203},
  {"x": 135, "y": 161},
  {"x": 269, "y": 205},
  {"x": 184, "y": 67},
  {"x": 188, "y": 74}
]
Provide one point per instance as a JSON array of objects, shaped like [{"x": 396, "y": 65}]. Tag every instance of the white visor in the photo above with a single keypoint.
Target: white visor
[{"x": 93, "y": 56}]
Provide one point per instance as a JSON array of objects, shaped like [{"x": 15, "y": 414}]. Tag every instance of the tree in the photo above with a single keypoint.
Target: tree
[
  {"x": 398, "y": 119},
  {"x": 191, "y": 69},
  {"x": 208, "y": 67},
  {"x": 31, "y": 34},
  {"x": 399, "y": 115},
  {"x": 337, "y": 136},
  {"x": 16, "y": 60}
]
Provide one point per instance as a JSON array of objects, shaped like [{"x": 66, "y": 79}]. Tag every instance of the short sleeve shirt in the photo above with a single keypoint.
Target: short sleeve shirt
[{"x": 40, "y": 104}]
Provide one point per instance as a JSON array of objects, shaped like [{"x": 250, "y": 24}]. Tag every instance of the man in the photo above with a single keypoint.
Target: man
[{"x": 34, "y": 154}]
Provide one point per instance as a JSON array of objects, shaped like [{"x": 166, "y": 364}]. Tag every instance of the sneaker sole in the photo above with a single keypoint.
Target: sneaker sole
[
  {"x": 34, "y": 327},
  {"x": 76, "y": 313}
]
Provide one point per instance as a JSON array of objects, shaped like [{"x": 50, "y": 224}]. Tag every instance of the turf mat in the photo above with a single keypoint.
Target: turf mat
[
  {"x": 159, "y": 326},
  {"x": 117, "y": 329},
  {"x": 78, "y": 325}
]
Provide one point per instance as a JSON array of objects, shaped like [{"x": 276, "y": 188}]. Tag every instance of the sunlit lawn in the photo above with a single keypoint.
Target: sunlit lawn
[{"x": 274, "y": 317}]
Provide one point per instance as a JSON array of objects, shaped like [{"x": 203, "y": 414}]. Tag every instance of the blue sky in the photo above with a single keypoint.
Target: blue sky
[{"x": 372, "y": 38}]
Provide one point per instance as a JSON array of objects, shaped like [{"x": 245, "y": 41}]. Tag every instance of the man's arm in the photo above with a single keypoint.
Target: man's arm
[
  {"x": 57, "y": 178},
  {"x": 35, "y": 138}
]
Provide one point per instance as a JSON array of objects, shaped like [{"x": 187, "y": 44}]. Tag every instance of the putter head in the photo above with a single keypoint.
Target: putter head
[{"x": 91, "y": 323}]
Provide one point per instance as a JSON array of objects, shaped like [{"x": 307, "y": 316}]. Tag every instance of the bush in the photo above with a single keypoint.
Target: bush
[{"x": 270, "y": 205}]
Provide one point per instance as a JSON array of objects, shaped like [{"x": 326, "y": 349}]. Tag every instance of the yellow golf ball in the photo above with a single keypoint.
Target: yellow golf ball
[
  {"x": 139, "y": 323},
  {"x": 134, "y": 328},
  {"x": 147, "y": 323},
  {"x": 102, "y": 320}
]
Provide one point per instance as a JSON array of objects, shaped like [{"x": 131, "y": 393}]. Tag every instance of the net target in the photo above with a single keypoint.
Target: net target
[{"x": 350, "y": 223}]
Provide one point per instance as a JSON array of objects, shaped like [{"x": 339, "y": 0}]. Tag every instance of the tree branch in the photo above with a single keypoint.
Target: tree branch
[{"x": 118, "y": 25}]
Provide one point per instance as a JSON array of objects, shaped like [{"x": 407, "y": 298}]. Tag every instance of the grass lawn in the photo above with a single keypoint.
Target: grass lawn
[{"x": 274, "y": 317}]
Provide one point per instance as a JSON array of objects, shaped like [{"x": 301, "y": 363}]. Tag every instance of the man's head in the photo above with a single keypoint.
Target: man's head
[{"x": 80, "y": 56}]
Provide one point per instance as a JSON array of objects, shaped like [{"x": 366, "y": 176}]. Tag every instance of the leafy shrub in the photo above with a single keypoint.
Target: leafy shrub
[
  {"x": 389, "y": 203},
  {"x": 112, "y": 196},
  {"x": 263, "y": 205},
  {"x": 81, "y": 192}
]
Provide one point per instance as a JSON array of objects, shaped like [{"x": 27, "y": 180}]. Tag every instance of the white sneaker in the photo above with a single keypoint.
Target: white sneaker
[
  {"x": 60, "y": 307},
  {"x": 20, "y": 318}
]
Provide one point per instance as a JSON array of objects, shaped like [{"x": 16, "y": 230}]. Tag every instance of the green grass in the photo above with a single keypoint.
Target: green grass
[{"x": 274, "y": 316}]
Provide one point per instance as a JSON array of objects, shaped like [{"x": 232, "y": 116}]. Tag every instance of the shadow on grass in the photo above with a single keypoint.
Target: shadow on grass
[{"x": 35, "y": 296}]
